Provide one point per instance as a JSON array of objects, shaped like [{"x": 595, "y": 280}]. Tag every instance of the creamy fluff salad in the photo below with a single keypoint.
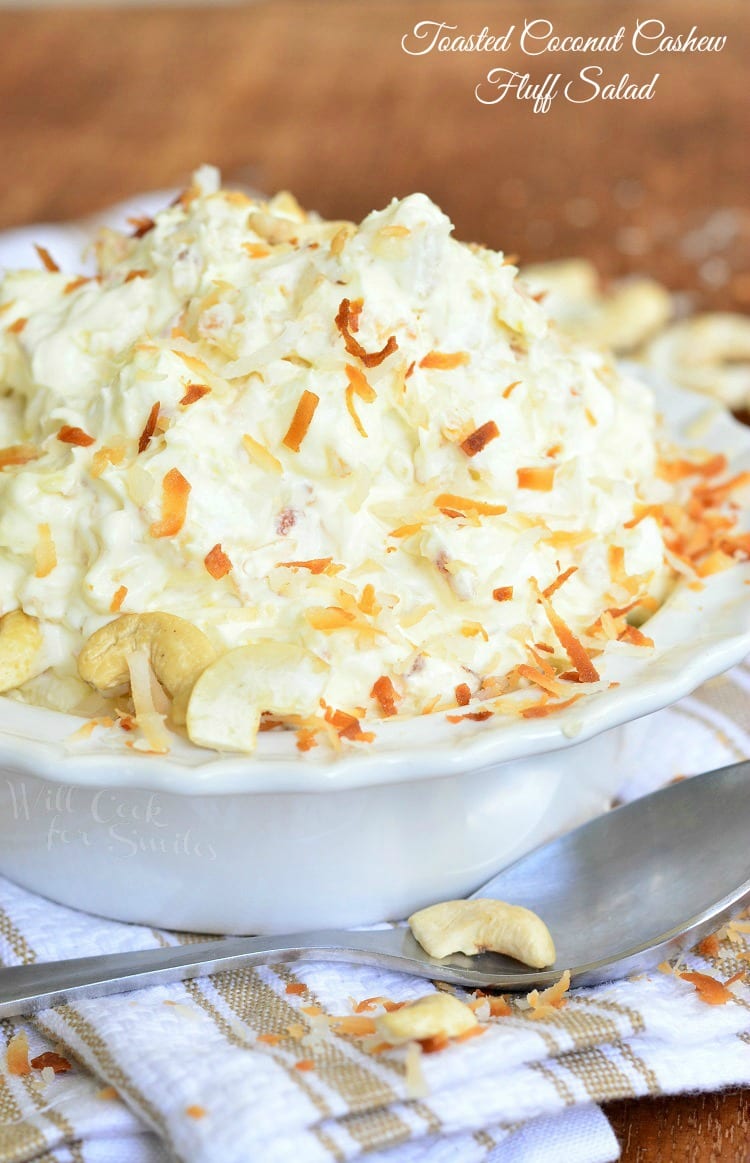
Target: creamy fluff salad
[{"x": 345, "y": 472}]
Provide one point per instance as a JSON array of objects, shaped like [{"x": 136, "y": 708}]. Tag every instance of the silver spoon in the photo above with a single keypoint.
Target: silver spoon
[{"x": 620, "y": 894}]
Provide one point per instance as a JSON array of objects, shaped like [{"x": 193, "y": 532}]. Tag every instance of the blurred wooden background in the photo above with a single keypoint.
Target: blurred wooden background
[{"x": 317, "y": 96}]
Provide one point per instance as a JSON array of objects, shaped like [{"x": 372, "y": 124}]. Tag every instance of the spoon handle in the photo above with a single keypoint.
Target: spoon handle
[{"x": 27, "y": 988}]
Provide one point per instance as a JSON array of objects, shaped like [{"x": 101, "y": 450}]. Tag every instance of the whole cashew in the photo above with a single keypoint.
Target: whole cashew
[
  {"x": 177, "y": 650},
  {"x": 427, "y": 1017},
  {"x": 20, "y": 640},
  {"x": 708, "y": 353},
  {"x": 622, "y": 318},
  {"x": 231, "y": 695},
  {"x": 473, "y": 926}
]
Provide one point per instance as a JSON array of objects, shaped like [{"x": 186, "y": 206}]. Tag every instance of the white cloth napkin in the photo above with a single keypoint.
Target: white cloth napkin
[{"x": 193, "y": 1081}]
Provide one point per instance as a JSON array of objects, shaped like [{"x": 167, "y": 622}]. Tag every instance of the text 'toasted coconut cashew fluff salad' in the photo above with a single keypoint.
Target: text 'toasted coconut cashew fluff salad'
[{"x": 267, "y": 470}]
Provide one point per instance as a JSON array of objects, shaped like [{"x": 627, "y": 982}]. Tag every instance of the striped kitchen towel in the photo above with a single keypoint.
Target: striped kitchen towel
[{"x": 244, "y": 1067}]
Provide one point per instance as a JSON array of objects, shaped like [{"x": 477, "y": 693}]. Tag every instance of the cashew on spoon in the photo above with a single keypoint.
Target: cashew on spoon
[
  {"x": 20, "y": 640},
  {"x": 473, "y": 926},
  {"x": 177, "y": 650}
]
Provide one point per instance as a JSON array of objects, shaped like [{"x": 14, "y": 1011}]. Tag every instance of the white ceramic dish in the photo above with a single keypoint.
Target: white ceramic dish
[{"x": 282, "y": 841}]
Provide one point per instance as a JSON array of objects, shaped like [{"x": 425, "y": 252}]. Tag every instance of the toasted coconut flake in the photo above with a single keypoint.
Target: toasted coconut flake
[
  {"x": 541, "y": 678},
  {"x": 174, "y": 500},
  {"x": 709, "y": 946},
  {"x": 359, "y": 383},
  {"x": 149, "y": 428},
  {"x": 463, "y": 694},
  {"x": 709, "y": 990},
  {"x": 445, "y": 360},
  {"x": 141, "y": 225},
  {"x": 574, "y": 649},
  {"x": 45, "y": 555},
  {"x": 18, "y": 454},
  {"x": 269, "y": 1039},
  {"x": 315, "y": 565},
  {"x": 262, "y": 457},
  {"x": 49, "y": 1060},
  {"x": 538, "y": 480},
  {"x": 475, "y": 716},
  {"x": 74, "y": 284},
  {"x": 17, "y": 326},
  {"x": 217, "y": 563},
  {"x": 716, "y": 562},
  {"x": 194, "y": 392},
  {"x": 633, "y": 635},
  {"x": 384, "y": 691},
  {"x": 304, "y": 1065},
  {"x": 47, "y": 260},
  {"x": 511, "y": 388},
  {"x": 329, "y": 618},
  {"x": 544, "y": 1004},
  {"x": 559, "y": 580},
  {"x": 118, "y": 598},
  {"x": 136, "y": 274},
  {"x": 542, "y": 710},
  {"x": 480, "y": 438},
  {"x": 406, "y": 530},
  {"x": 474, "y": 630},
  {"x": 72, "y": 435},
  {"x": 296, "y": 988},
  {"x": 367, "y": 603},
  {"x": 193, "y": 362},
  {"x": 677, "y": 470},
  {"x": 17, "y": 1055},
  {"x": 356, "y": 1025},
  {"x": 347, "y": 726},
  {"x": 105, "y": 456},
  {"x": 347, "y": 323},
  {"x": 349, "y": 396},
  {"x": 503, "y": 593},
  {"x": 196, "y": 1111},
  {"x": 301, "y": 420},
  {"x": 468, "y": 505},
  {"x": 256, "y": 249}
]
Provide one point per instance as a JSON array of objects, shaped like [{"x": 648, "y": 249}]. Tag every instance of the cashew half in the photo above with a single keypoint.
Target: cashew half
[
  {"x": 477, "y": 925},
  {"x": 708, "y": 353},
  {"x": 20, "y": 640},
  {"x": 623, "y": 317},
  {"x": 231, "y": 695},
  {"x": 177, "y": 650},
  {"x": 428, "y": 1017}
]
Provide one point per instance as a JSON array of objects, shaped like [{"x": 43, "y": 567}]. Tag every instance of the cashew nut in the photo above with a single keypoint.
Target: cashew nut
[
  {"x": 177, "y": 651},
  {"x": 231, "y": 695},
  {"x": 622, "y": 318},
  {"x": 20, "y": 640},
  {"x": 708, "y": 353},
  {"x": 477, "y": 925},
  {"x": 427, "y": 1017}
]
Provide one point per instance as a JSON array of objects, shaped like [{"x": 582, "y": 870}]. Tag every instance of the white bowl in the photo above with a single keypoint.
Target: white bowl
[{"x": 282, "y": 841}]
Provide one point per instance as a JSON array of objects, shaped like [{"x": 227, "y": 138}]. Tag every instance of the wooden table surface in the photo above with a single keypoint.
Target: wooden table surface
[{"x": 318, "y": 96}]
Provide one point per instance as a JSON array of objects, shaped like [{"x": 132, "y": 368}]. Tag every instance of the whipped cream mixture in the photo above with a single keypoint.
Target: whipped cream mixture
[{"x": 367, "y": 441}]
